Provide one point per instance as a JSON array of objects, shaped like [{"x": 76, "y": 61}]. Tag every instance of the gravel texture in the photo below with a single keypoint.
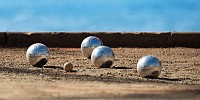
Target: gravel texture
[{"x": 179, "y": 79}]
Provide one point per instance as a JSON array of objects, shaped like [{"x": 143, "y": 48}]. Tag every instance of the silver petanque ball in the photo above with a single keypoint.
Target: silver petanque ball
[
  {"x": 149, "y": 66},
  {"x": 88, "y": 45},
  {"x": 102, "y": 57},
  {"x": 37, "y": 54}
]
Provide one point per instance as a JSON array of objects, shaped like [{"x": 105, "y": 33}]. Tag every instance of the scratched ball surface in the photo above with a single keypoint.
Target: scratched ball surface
[
  {"x": 149, "y": 66},
  {"x": 88, "y": 45},
  {"x": 102, "y": 57},
  {"x": 37, "y": 54}
]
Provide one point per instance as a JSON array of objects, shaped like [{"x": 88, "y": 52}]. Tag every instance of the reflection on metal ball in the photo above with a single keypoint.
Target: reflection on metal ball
[
  {"x": 149, "y": 66},
  {"x": 37, "y": 54},
  {"x": 88, "y": 45},
  {"x": 102, "y": 57}
]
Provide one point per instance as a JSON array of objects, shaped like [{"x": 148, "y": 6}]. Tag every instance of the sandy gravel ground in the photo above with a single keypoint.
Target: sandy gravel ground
[{"x": 179, "y": 79}]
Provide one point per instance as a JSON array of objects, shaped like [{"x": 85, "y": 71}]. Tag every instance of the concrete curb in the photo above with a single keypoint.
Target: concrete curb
[{"x": 111, "y": 39}]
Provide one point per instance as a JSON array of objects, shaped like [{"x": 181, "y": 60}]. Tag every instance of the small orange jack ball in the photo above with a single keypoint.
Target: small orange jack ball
[{"x": 68, "y": 66}]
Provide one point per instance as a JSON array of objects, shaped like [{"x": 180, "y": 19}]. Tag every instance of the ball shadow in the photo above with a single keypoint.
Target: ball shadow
[
  {"x": 166, "y": 79},
  {"x": 58, "y": 67},
  {"x": 120, "y": 67},
  {"x": 53, "y": 67},
  {"x": 73, "y": 71}
]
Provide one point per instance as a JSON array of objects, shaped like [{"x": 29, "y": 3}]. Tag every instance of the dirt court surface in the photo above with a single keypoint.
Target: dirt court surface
[{"x": 179, "y": 79}]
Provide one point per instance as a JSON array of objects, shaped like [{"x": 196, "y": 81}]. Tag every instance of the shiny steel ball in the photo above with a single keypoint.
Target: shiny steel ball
[
  {"x": 37, "y": 54},
  {"x": 102, "y": 57},
  {"x": 149, "y": 66},
  {"x": 88, "y": 45}
]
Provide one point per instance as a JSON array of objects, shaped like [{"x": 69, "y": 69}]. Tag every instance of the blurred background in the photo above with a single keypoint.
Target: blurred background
[{"x": 99, "y": 15}]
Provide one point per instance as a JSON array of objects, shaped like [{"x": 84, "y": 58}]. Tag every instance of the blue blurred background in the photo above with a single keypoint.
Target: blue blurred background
[{"x": 99, "y": 15}]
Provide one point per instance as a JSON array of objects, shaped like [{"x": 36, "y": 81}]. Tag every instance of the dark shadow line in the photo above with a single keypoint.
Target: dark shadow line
[
  {"x": 166, "y": 79},
  {"x": 73, "y": 71},
  {"x": 121, "y": 67},
  {"x": 53, "y": 67},
  {"x": 105, "y": 79}
]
